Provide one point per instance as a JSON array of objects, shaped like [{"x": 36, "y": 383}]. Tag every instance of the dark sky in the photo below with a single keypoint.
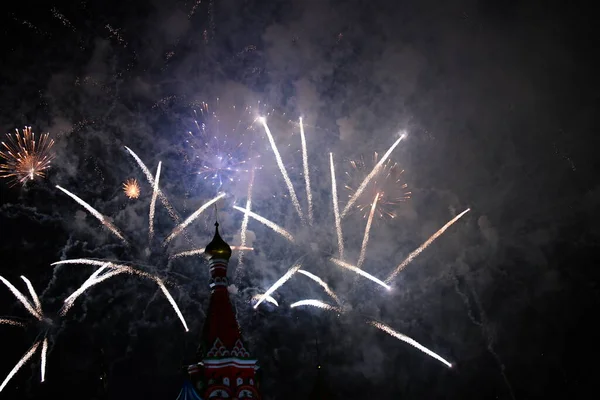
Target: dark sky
[{"x": 498, "y": 100}]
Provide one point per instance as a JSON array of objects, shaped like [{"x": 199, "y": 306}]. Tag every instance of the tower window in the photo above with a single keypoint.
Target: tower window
[
  {"x": 226, "y": 381},
  {"x": 239, "y": 381}
]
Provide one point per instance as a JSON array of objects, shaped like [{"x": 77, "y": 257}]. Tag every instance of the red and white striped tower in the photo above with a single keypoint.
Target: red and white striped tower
[{"x": 225, "y": 369}]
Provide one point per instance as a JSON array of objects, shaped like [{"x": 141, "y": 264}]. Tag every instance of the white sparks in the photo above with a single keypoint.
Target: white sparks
[
  {"x": 410, "y": 341},
  {"x": 321, "y": 283},
  {"x": 278, "y": 284},
  {"x": 11, "y": 322},
  {"x": 336, "y": 209},
  {"x": 19, "y": 296},
  {"x": 368, "y": 178},
  {"x": 95, "y": 213},
  {"x": 267, "y": 223},
  {"x": 360, "y": 272},
  {"x": 178, "y": 229},
  {"x": 244, "y": 229},
  {"x": 269, "y": 299},
  {"x": 316, "y": 303},
  {"x": 426, "y": 244},
  {"x": 284, "y": 173},
  {"x": 44, "y": 358},
  {"x": 153, "y": 204},
  {"x": 33, "y": 294},
  {"x": 363, "y": 248},
  {"x": 306, "y": 173},
  {"x": 21, "y": 362}
]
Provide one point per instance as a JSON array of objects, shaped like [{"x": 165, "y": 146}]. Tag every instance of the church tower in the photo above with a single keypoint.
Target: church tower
[{"x": 224, "y": 367}]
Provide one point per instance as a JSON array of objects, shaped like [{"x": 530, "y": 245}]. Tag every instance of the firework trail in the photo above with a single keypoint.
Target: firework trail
[
  {"x": 131, "y": 188},
  {"x": 408, "y": 340},
  {"x": 278, "y": 284},
  {"x": 359, "y": 272},
  {"x": 153, "y": 204},
  {"x": 267, "y": 223},
  {"x": 115, "y": 269},
  {"x": 19, "y": 296},
  {"x": 150, "y": 179},
  {"x": 363, "y": 248},
  {"x": 284, "y": 173},
  {"x": 44, "y": 357},
  {"x": 269, "y": 299},
  {"x": 321, "y": 283},
  {"x": 24, "y": 157},
  {"x": 244, "y": 229},
  {"x": 316, "y": 303},
  {"x": 200, "y": 251},
  {"x": 21, "y": 362},
  {"x": 33, "y": 294},
  {"x": 368, "y": 178},
  {"x": 178, "y": 229},
  {"x": 96, "y": 214},
  {"x": 306, "y": 173},
  {"x": 11, "y": 322},
  {"x": 426, "y": 244},
  {"x": 336, "y": 209}
]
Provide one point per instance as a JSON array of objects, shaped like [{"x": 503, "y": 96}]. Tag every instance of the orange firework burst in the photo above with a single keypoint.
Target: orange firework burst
[
  {"x": 131, "y": 187},
  {"x": 24, "y": 157},
  {"x": 388, "y": 185}
]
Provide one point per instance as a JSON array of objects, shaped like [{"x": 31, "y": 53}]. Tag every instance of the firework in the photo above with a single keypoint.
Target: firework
[
  {"x": 198, "y": 252},
  {"x": 315, "y": 303},
  {"x": 306, "y": 173},
  {"x": 269, "y": 299},
  {"x": 321, "y": 283},
  {"x": 103, "y": 219},
  {"x": 360, "y": 272},
  {"x": 36, "y": 311},
  {"x": 279, "y": 283},
  {"x": 386, "y": 184},
  {"x": 244, "y": 228},
  {"x": 363, "y": 248},
  {"x": 426, "y": 244},
  {"x": 179, "y": 228},
  {"x": 374, "y": 172},
  {"x": 131, "y": 188},
  {"x": 153, "y": 204},
  {"x": 25, "y": 157},
  {"x": 410, "y": 341},
  {"x": 221, "y": 145},
  {"x": 267, "y": 223},
  {"x": 336, "y": 209}
]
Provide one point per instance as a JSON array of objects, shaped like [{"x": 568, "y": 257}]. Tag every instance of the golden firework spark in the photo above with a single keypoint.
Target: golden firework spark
[
  {"x": 387, "y": 184},
  {"x": 24, "y": 157},
  {"x": 131, "y": 187}
]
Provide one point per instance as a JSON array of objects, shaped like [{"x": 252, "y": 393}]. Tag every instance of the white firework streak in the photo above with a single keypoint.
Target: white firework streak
[
  {"x": 268, "y": 223},
  {"x": 409, "y": 340},
  {"x": 150, "y": 179},
  {"x": 336, "y": 209},
  {"x": 95, "y": 213},
  {"x": 200, "y": 251},
  {"x": 426, "y": 244},
  {"x": 321, "y": 283},
  {"x": 363, "y": 248},
  {"x": 278, "y": 284},
  {"x": 284, "y": 173},
  {"x": 153, "y": 204},
  {"x": 117, "y": 269},
  {"x": 33, "y": 294},
  {"x": 11, "y": 322},
  {"x": 269, "y": 299},
  {"x": 179, "y": 228},
  {"x": 316, "y": 303},
  {"x": 370, "y": 176},
  {"x": 244, "y": 229},
  {"x": 44, "y": 358},
  {"x": 306, "y": 173},
  {"x": 21, "y": 362},
  {"x": 360, "y": 272},
  {"x": 19, "y": 296}
]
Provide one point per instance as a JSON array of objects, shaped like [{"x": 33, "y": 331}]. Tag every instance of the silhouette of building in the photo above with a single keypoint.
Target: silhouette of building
[{"x": 224, "y": 368}]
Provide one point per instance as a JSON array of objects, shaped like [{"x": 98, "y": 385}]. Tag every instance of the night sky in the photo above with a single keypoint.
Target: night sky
[{"x": 498, "y": 101}]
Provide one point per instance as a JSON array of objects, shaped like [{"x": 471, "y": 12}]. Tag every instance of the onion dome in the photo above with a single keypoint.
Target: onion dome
[{"x": 218, "y": 248}]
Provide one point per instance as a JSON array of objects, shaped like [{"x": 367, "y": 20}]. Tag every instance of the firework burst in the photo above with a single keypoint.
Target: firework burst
[
  {"x": 25, "y": 157},
  {"x": 131, "y": 188},
  {"x": 221, "y": 143},
  {"x": 387, "y": 185}
]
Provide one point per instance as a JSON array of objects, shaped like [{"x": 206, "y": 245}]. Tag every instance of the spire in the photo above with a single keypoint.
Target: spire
[{"x": 218, "y": 248}]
